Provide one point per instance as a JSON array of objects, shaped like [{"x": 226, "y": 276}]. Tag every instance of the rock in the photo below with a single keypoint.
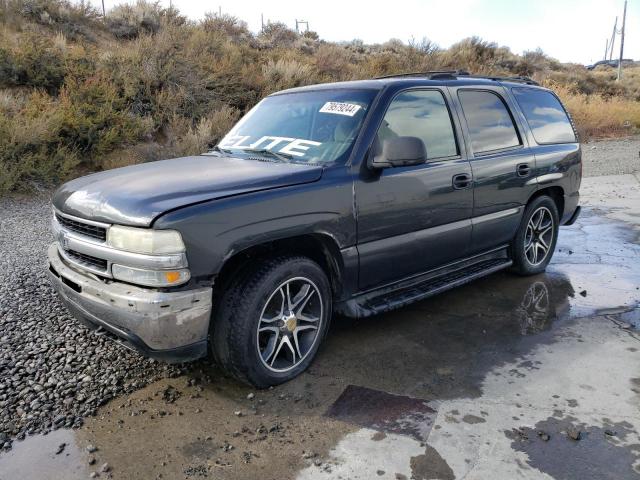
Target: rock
[
  {"x": 61, "y": 448},
  {"x": 91, "y": 461},
  {"x": 583, "y": 293},
  {"x": 574, "y": 434},
  {"x": 544, "y": 436},
  {"x": 250, "y": 396},
  {"x": 105, "y": 468},
  {"x": 610, "y": 433},
  {"x": 52, "y": 369},
  {"x": 91, "y": 448},
  {"x": 380, "y": 473},
  {"x": 237, "y": 413}
]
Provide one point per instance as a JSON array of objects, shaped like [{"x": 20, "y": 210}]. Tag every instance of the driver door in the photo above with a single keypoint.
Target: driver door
[{"x": 416, "y": 218}]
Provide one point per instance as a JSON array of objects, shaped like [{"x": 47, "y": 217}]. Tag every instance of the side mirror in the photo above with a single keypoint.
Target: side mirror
[{"x": 400, "y": 152}]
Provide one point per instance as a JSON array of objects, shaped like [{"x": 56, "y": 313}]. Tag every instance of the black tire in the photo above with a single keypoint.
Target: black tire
[
  {"x": 524, "y": 262},
  {"x": 236, "y": 342}
]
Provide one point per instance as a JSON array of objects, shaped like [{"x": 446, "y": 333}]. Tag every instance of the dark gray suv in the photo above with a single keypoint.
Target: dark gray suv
[{"x": 354, "y": 197}]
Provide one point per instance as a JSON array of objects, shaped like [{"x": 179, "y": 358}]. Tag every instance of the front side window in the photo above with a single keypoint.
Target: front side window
[
  {"x": 545, "y": 115},
  {"x": 490, "y": 124},
  {"x": 422, "y": 114},
  {"x": 316, "y": 127}
]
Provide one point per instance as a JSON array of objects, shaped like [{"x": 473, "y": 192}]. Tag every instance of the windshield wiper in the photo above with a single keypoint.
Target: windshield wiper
[
  {"x": 221, "y": 150},
  {"x": 283, "y": 157}
]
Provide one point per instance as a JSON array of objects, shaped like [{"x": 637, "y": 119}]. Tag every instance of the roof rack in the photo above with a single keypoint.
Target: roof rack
[
  {"x": 454, "y": 74},
  {"x": 430, "y": 74}
]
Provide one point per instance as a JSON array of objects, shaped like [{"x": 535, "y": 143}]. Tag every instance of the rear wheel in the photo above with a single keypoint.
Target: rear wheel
[
  {"x": 271, "y": 321},
  {"x": 535, "y": 241}
]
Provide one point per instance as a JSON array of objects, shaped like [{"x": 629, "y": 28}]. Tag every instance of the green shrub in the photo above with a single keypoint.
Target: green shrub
[{"x": 34, "y": 62}]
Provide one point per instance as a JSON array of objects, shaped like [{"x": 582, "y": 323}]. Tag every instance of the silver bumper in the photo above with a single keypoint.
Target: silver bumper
[{"x": 172, "y": 326}]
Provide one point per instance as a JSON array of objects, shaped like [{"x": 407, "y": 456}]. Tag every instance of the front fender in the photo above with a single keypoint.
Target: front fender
[{"x": 216, "y": 230}]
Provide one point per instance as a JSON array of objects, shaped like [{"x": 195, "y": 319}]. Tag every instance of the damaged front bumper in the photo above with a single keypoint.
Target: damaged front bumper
[{"x": 168, "y": 326}]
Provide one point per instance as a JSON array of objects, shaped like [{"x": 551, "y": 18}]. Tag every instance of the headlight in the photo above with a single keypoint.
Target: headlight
[
  {"x": 144, "y": 240},
  {"x": 150, "y": 278}
]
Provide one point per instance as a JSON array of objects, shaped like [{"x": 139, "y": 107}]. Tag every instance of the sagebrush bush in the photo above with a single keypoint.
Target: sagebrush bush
[{"x": 81, "y": 93}]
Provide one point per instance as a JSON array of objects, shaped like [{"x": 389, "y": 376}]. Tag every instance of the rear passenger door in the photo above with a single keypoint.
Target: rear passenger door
[
  {"x": 503, "y": 165},
  {"x": 414, "y": 218}
]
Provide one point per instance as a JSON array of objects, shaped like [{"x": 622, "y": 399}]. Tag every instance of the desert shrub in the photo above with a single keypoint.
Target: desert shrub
[
  {"x": 130, "y": 21},
  {"x": 283, "y": 73},
  {"x": 478, "y": 56},
  {"x": 206, "y": 133},
  {"x": 31, "y": 152},
  {"x": 232, "y": 27},
  {"x": 33, "y": 61},
  {"x": 76, "y": 20},
  {"x": 335, "y": 63},
  {"x": 596, "y": 115},
  {"x": 277, "y": 35},
  {"x": 94, "y": 119},
  {"x": 81, "y": 93}
]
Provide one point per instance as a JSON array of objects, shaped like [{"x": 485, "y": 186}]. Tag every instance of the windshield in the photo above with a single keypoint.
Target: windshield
[{"x": 308, "y": 127}]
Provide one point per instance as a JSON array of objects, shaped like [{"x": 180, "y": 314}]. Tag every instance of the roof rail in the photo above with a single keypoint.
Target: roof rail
[
  {"x": 454, "y": 74},
  {"x": 430, "y": 74}
]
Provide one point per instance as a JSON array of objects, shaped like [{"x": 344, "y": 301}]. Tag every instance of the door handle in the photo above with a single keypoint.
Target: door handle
[
  {"x": 523, "y": 170},
  {"x": 461, "y": 181}
]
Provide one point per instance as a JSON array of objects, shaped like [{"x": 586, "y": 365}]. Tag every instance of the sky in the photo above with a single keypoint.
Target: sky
[{"x": 569, "y": 30}]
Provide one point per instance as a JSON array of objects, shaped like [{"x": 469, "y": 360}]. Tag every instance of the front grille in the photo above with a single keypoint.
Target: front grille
[
  {"x": 87, "y": 260},
  {"x": 92, "y": 231}
]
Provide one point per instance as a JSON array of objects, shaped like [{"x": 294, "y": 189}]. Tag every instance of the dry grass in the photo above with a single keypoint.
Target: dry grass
[
  {"x": 80, "y": 93},
  {"x": 598, "y": 116}
]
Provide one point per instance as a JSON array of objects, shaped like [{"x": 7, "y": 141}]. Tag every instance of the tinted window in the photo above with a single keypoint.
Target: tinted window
[
  {"x": 489, "y": 121},
  {"x": 423, "y": 114},
  {"x": 546, "y": 117}
]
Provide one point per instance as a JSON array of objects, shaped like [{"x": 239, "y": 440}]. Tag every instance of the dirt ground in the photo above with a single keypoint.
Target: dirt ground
[{"x": 507, "y": 377}]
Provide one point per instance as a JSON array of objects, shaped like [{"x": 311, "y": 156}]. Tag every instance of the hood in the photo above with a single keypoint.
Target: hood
[{"x": 136, "y": 195}]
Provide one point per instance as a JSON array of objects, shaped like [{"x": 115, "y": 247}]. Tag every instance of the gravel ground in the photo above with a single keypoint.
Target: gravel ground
[
  {"x": 611, "y": 157},
  {"x": 53, "y": 371}
]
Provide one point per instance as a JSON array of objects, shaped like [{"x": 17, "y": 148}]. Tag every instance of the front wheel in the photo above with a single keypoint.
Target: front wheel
[
  {"x": 535, "y": 241},
  {"x": 271, "y": 321}
]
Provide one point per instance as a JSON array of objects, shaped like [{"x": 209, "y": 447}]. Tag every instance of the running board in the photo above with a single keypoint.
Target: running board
[{"x": 367, "y": 305}]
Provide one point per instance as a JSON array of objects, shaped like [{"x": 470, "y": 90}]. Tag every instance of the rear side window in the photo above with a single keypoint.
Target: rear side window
[
  {"x": 490, "y": 124},
  {"x": 423, "y": 114},
  {"x": 545, "y": 115}
]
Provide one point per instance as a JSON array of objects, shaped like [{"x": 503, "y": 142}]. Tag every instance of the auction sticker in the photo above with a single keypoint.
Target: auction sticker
[{"x": 348, "y": 109}]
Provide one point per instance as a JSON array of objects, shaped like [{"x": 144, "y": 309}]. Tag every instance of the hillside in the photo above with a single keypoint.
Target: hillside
[{"x": 80, "y": 93}]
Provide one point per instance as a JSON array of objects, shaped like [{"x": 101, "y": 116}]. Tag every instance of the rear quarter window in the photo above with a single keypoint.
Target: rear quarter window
[
  {"x": 545, "y": 115},
  {"x": 491, "y": 127}
]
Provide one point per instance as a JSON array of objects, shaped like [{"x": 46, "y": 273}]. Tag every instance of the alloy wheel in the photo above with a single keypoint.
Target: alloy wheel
[
  {"x": 539, "y": 236},
  {"x": 289, "y": 324}
]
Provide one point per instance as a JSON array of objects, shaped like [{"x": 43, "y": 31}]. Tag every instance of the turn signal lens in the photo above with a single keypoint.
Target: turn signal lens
[
  {"x": 150, "y": 278},
  {"x": 172, "y": 277}
]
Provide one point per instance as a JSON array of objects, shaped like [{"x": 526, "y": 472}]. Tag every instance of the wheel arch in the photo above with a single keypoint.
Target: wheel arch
[
  {"x": 555, "y": 192},
  {"x": 319, "y": 247}
]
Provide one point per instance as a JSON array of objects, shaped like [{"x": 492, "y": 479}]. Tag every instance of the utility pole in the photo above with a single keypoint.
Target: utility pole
[
  {"x": 624, "y": 17},
  {"x": 262, "y": 22},
  {"x": 613, "y": 38},
  {"x": 104, "y": 14},
  {"x": 606, "y": 48}
]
